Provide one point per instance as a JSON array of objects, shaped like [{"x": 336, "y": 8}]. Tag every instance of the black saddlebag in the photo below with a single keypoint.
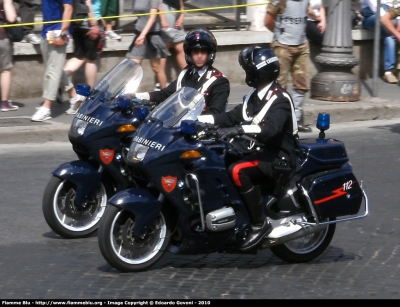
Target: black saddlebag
[
  {"x": 320, "y": 154},
  {"x": 334, "y": 193}
]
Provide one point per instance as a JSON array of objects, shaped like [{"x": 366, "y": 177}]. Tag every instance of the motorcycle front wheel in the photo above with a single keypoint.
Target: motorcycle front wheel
[
  {"x": 64, "y": 217},
  {"x": 306, "y": 248},
  {"x": 125, "y": 252}
]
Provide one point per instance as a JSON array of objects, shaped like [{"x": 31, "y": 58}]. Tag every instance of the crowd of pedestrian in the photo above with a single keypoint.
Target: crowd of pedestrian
[
  {"x": 153, "y": 38},
  {"x": 87, "y": 36},
  {"x": 158, "y": 36}
]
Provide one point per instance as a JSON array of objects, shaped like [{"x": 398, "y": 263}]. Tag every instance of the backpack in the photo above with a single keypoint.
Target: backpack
[
  {"x": 174, "y": 3},
  {"x": 80, "y": 11},
  {"x": 16, "y": 33}
]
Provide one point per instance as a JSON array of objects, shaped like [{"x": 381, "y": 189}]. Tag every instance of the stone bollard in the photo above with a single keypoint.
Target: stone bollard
[{"x": 335, "y": 81}]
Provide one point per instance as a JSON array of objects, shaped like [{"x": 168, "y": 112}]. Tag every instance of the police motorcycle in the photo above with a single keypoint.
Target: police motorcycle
[
  {"x": 76, "y": 195},
  {"x": 187, "y": 203}
]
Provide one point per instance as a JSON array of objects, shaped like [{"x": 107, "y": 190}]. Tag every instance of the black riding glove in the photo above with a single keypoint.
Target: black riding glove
[
  {"x": 148, "y": 103},
  {"x": 226, "y": 133},
  {"x": 136, "y": 101}
]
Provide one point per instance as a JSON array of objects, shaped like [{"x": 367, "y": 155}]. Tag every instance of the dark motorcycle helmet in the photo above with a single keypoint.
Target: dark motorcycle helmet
[
  {"x": 260, "y": 64},
  {"x": 200, "y": 39}
]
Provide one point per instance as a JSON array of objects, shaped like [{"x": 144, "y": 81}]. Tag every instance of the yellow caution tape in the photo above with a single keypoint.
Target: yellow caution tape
[{"x": 137, "y": 15}]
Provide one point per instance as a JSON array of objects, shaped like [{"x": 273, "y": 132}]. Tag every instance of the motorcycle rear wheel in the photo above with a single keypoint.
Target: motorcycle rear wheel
[
  {"x": 306, "y": 248},
  {"x": 126, "y": 253},
  {"x": 66, "y": 219}
]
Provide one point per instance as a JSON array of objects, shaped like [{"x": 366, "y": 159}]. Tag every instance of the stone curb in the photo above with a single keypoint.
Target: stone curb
[
  {"x": 340, "y": 112},
  {"x": 52, "y": 131},
  {"x": 373, "y": 109}
]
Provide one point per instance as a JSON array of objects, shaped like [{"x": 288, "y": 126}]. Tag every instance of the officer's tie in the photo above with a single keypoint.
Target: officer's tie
[
  {"x": 257, "y": 99},
  {"x": 195, "y": 77}
]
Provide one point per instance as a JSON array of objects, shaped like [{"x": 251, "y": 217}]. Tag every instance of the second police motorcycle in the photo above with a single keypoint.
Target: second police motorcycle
[
  {"x": 186, "y": 203},
  {"x": 77, "y": 193}
]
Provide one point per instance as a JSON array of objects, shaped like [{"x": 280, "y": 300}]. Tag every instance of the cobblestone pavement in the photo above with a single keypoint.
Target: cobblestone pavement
[{"x": 362, "y": 261}]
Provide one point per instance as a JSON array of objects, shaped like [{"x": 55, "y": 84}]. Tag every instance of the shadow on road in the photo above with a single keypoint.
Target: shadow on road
[
  {"x": 392, "y": 128},
  {"x": 53, "y": 235},
  {"x": 262, "y": 259}
]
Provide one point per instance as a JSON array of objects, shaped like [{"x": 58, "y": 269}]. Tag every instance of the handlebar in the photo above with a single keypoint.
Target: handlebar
[
  {"x": 209, "y": 131},
  {"x": 205, "y": 130},
  {"x": 143, "y": 102}
]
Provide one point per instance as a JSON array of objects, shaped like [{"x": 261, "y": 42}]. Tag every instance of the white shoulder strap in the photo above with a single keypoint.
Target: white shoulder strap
[
  {"x": 244, "y": 113},
  {"x": 258, "y": 118},
  {"x": 206, "y": 85},
  {"x": 180, "y": 77},
  {"x": 294, "y": 119}
]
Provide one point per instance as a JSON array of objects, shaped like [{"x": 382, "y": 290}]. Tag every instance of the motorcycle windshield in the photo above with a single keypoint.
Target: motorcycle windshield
[
  {"x": 99, "y": 110},
  {"x": 186, "y": 103},
  {"x": 124, "y": 78}
]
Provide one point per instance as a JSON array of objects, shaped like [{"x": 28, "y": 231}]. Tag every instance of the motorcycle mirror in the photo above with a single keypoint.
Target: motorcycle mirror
[
  {"x": 140, "y": 112},
  {"x": 83, "y": 89},
  {"x": 124, "y": 102},
  {"x": 188, "y": 126},
  {"x": 323, "y": 122}
]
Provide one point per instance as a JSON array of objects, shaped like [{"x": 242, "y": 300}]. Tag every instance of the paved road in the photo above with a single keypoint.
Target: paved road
[{"x": 362, "y": 261}]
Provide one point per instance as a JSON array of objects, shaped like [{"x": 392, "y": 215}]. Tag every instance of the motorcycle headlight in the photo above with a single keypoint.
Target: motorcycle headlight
[
  {"x": 78, "y": 127},
  {"x": 137, "y": 152}
]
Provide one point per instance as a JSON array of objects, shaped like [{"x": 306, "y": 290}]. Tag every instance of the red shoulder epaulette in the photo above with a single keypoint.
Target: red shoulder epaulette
[{"x": 216, "y": 73}]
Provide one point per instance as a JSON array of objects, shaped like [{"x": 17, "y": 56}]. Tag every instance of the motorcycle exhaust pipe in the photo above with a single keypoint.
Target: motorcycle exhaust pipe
[{"x": 267, "y": 242}]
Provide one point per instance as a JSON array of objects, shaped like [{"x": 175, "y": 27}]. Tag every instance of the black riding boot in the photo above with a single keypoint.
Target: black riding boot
[{"x": 259, "y": 225}]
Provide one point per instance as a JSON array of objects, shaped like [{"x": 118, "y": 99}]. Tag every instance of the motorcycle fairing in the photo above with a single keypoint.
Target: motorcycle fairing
[
  {"x": 210, "y": 169},
  {"x": 109, "y": 115},
  {"x": 211, "y": 165},
  {"x": 83, "y": 175},
  {"x": 113, "y": 168},
  {"x": 144, "y": 205}
]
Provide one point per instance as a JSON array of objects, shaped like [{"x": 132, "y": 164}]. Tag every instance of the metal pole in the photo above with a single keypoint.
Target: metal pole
[
  {"x": 377, "y": 40},
  {"x": 237, "y": 13}
]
